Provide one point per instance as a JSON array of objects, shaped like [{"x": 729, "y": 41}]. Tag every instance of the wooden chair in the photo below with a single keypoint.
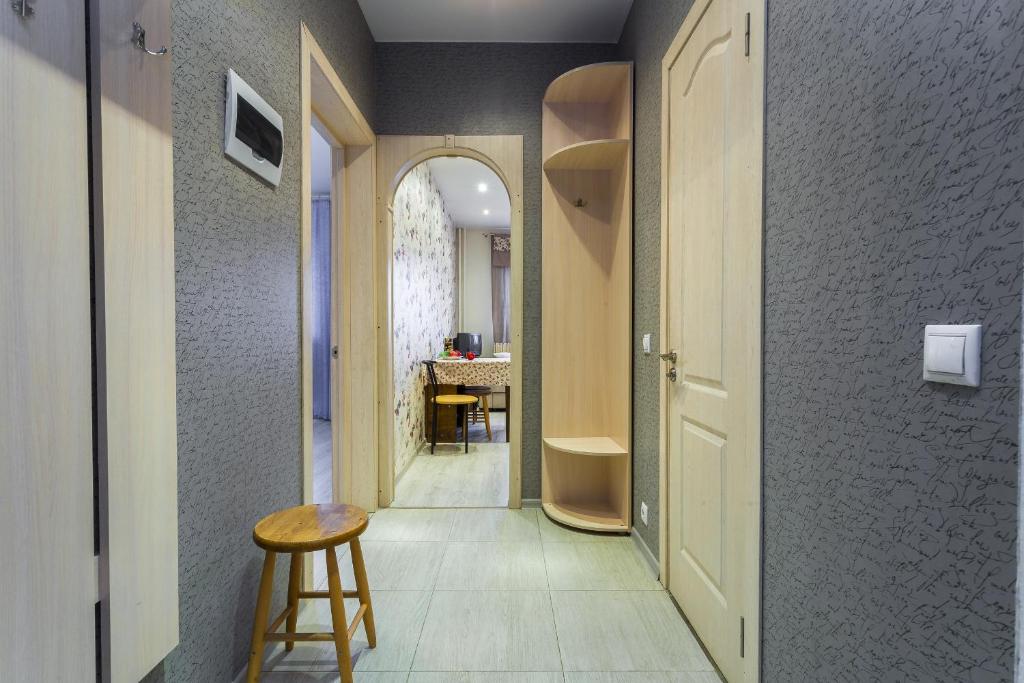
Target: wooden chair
[
  {"x": 460, "y": 401},
  {"x": 483, "y": 395},
  {"x": 300, "y": 530}
]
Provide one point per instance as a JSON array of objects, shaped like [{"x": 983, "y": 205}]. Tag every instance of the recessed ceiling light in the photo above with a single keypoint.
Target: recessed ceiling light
[
  {"x": 487, "y": 212},
  {"x": 481, "y": 187}
]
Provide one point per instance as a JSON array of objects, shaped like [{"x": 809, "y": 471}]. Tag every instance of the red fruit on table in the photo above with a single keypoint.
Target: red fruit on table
[{"x": 470, "y": 355}]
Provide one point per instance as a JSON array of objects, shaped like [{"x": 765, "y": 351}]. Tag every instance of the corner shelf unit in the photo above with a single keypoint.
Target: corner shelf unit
[{"x": 587, "y": 269}]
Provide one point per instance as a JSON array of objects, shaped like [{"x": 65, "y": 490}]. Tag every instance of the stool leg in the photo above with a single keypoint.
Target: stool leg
[
  {"x": 294, "y": 582},
  {"x": 363, "y": 587},
  {"x": 259, "y": 624},
  {"x": 341, "y": 644},
  {"x": 487, "y": 416},
  {"x": 465, "y": 427}
]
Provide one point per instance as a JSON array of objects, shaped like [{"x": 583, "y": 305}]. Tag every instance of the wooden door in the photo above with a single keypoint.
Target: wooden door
[
  {"x": 47, "y": 566},
  {"x": 135, "y": 313},
  {"x": 712, "y": 308}
]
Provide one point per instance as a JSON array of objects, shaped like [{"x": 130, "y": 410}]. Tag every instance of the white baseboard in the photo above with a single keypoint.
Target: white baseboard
[{"x": 652, "y": 561}]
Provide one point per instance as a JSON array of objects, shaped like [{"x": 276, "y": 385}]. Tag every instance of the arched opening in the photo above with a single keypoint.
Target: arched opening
[
  {"x": 397, "y": 157},
  {"x": 451, "y": 284}
]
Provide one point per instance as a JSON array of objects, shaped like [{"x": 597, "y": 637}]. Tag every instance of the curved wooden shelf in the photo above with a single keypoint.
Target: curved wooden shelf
[
  {"x": 591, "y": 518},
  {"x": 591, "y": 83},
  {"x": 600, "y": 446},
  {"x": 592, "y": 155}
]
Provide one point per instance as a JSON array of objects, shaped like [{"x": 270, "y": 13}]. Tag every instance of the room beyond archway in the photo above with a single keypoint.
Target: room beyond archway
[{"x": 451, "y": 305}]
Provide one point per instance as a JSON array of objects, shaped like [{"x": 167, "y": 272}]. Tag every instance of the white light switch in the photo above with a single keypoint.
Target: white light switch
[
  {"x": 952, "y": 354},
  {"x": 647, "y": 343}
]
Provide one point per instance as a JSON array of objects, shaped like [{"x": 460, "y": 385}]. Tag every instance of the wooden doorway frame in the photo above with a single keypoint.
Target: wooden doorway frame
[
  {"x": 757, "y": 34},
  {"x": 353, "y": 321},
  {"x": 397, "y": 155}
]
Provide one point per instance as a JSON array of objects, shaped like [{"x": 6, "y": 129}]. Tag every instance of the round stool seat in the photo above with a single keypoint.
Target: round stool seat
[
  {"x": 309, "y": 527},
  {"x": 455, "y": 400}
]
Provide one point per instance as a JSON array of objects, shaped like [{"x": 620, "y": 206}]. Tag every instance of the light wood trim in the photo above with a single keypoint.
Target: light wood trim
[
  {"x": 46, "y": 491},
  {"x": 590, "y": 155},
  {"x": 589, "y": 445},
  {"x": 136, "y": 375},
  {"x": 752, "y": 582},
  {"x": 590, "y": 83},
  {"x": 587, "y": 271},
  {"x": 589, "y": 518},
  {"x": 396, "y": 156},
  {"x": 324, "y": 95}
]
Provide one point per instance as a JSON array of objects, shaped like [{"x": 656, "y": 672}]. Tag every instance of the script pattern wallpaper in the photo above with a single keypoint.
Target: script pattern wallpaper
[
  {"x": 895, "y": 180},
  {"x": 425, "y": 296}
]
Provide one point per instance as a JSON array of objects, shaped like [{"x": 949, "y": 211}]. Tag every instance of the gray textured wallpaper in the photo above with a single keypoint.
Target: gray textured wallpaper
[
  {"x": 895, "y": 162},
  {"x": 651, "y": 26},
  {"x": 237, "y": 261},
  {"x": 487, "y": 89}
]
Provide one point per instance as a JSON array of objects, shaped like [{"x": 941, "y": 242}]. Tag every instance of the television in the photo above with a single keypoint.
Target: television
[{"x": 468, "y": 341}]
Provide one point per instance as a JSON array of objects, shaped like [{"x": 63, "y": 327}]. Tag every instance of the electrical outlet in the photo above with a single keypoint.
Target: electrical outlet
[{"x": 643, "y": 512}]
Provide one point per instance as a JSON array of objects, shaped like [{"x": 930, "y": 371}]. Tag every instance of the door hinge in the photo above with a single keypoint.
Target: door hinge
[
  {"x": 742, "y": 637},
  {"x": 746, "y": 38}
]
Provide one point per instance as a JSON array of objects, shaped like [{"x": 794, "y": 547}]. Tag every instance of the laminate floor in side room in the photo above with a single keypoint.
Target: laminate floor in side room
[
  {"x": 506, "y": 596},
  {"x": 452, "y": 478}
]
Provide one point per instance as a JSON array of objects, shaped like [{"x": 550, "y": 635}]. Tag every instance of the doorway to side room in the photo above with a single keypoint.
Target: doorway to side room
[
  {"x": 322, "y": 209},
  {"x": 451, "y": 303}
]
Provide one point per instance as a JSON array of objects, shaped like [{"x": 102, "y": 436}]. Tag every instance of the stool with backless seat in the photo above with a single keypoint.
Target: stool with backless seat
[{"x": 301, "y": 530}]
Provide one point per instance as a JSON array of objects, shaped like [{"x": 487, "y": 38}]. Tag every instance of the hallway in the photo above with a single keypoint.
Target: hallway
[{"x": 476, "y": 595}]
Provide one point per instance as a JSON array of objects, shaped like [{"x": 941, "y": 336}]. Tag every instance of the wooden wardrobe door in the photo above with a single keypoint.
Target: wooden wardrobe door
[{"x": 47, "y": 565}]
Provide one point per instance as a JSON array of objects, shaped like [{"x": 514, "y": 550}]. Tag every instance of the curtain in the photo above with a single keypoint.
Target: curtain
[
  {"x": 501, "y": 288},
  {"x": 322, "y": 308}
]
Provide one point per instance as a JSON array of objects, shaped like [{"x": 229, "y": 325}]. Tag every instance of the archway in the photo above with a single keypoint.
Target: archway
[{"x": 397, "y": 155}]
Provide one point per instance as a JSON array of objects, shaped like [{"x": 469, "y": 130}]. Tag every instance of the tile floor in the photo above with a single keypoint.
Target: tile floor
[
  {"x": 504, "y": 596},
  {"x": 452, "y": 478}
]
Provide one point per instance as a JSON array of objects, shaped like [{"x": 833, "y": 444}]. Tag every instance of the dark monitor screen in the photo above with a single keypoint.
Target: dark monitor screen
[{"x": 468, "y": 341}]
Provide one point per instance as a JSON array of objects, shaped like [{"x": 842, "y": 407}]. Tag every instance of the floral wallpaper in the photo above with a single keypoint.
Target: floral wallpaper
[{"x": 425, "y": 298}]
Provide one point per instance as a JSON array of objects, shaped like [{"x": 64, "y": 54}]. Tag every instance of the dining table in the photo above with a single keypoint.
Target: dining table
[{"x": 490, "y": 372}]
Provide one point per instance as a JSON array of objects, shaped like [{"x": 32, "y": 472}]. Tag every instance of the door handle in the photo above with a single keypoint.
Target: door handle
[
  {"x": 334, "y": 352},
  {"x": 670, "y": 356}
]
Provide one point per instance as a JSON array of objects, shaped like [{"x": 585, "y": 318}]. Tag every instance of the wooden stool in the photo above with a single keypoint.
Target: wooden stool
[{"x": 306, "y": 529}]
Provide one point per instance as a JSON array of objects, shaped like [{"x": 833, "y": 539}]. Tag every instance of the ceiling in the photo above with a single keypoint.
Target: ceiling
[
  {"x": 496, "y": 21},
  {"x": 458, "y": 178}
]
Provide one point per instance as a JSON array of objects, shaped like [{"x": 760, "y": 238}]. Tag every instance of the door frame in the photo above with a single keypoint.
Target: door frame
[
  {"x": 353, "y": 413},
  {"x": 397, "y": 155},
  {"x": 758, "y": 33}
]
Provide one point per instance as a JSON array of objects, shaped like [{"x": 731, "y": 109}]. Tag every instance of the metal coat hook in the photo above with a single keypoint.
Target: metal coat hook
[
  {"x": 139, "y": 40},
  {"x": 579, "y": 203}
]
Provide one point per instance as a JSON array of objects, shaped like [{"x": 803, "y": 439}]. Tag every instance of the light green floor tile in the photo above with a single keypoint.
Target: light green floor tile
[
  {"x": 492, "y": 566},
  {"x": 393, "y": 524},
  {"x": 394, "y": 565},
  {"x": 488, "y": 631},
  {"x": 496, "y": 525},
  {"x": 333, "y": 677},
  {"x": 615, "y": 565},
  {"x": 488, "y": 677},
  {"x": 399, "y": 619},
  {"x": 624, "y": 631},
  {"x": 644, "y": 677}
]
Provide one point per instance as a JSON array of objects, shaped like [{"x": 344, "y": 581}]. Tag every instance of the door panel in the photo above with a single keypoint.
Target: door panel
[
  {"x": 712, "y": 320},
  {"x": 47, "y": 566},
  {"x": 139, "y": 466}
]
